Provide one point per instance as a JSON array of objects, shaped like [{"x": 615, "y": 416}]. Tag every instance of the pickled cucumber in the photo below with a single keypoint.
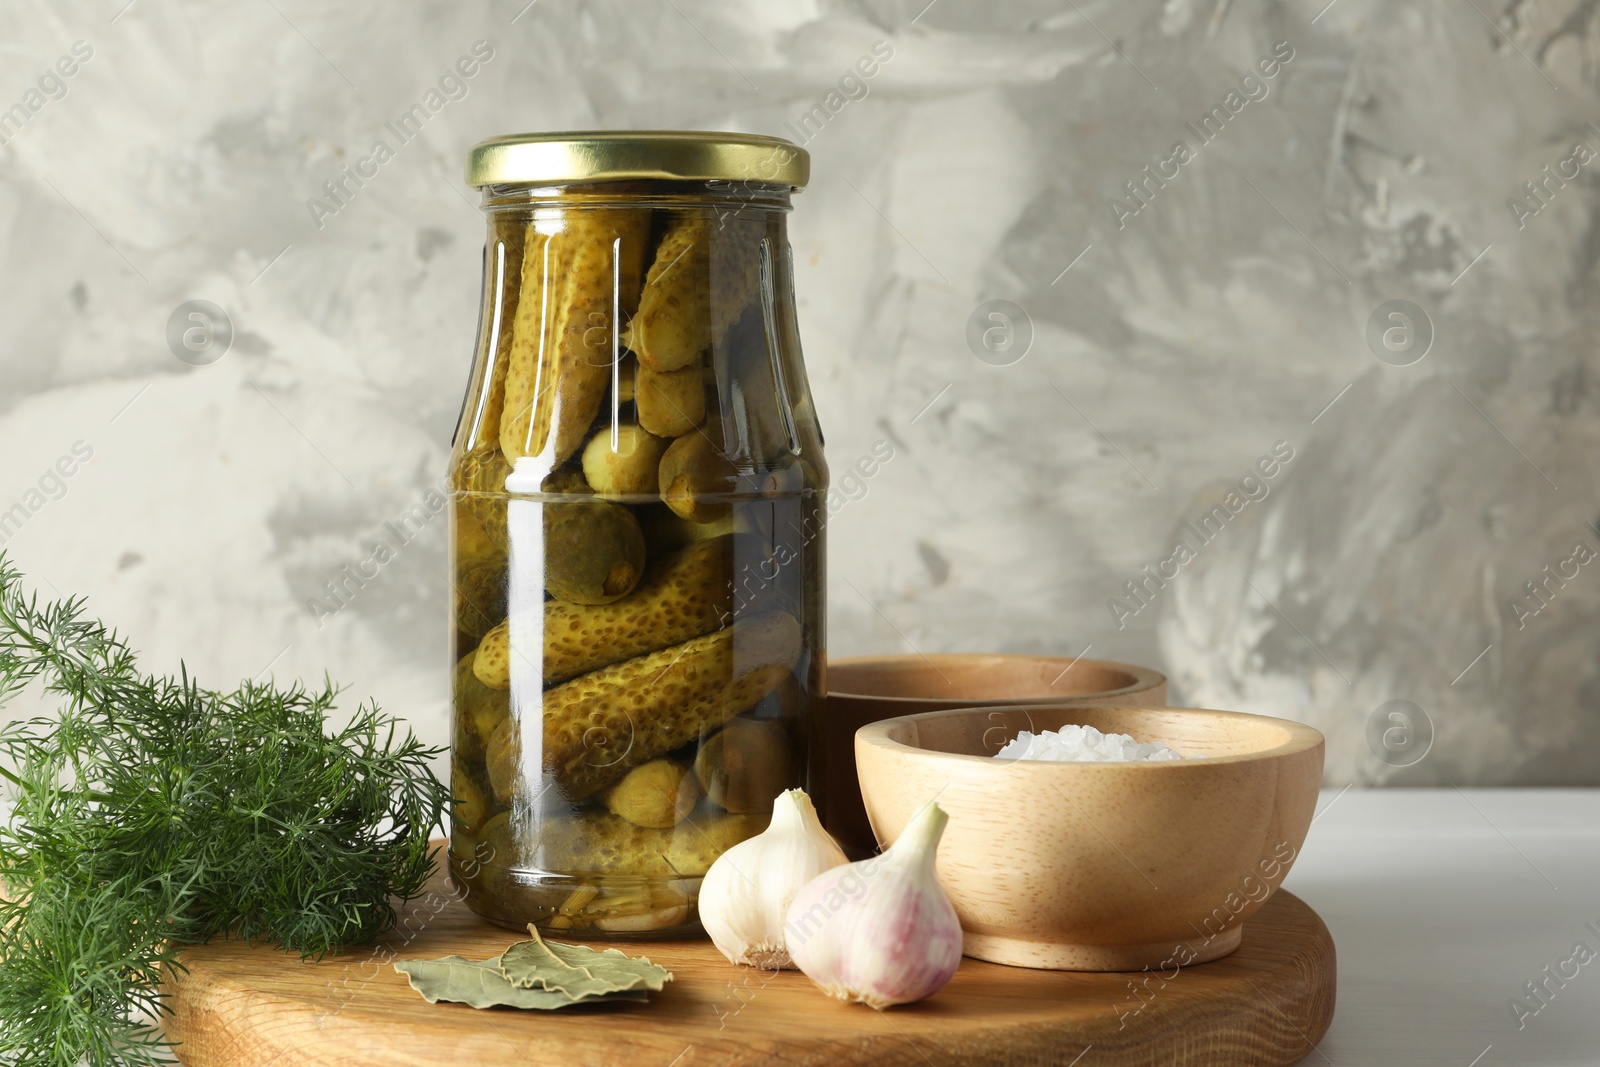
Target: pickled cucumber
[
  {"x": 480, "y": 478},
  {"x": 491, "y": 660},
  {"x": 746, "y": 363},
  {"x": 602, "y": 843},
  {"x": 479, "y": 711},
  {"x": 684, "y": 595},
  {"x": 599, "y": 726},
  {"x": 745, "y": 765},
  {"x": 565, "y": 337},
  {"x": 660, "y": 793},
  {"x": 624, "y": 466},
  {"x": 490, "y": 856},
  {"x": 470, "y": 808},
  {"x": 671, "y": 403},
  {"x": 567, "y": 482},
  {"x": 702, "y": 279},
  {"x": 500, "y": 762},
  {"x": 480, "y": 597},
  {"x": 599, "y": 843},
  {"x": 594, "y": 552},
  {"x": 696, "y": 475},
  {"x": 472, "y": 544},
  {"x": 627, "y": 373},
  {"x": 503, "y": 274}
]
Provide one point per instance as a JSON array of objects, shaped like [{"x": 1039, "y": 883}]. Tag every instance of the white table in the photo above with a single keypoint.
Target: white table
[{"x": 1443, "y": 903}]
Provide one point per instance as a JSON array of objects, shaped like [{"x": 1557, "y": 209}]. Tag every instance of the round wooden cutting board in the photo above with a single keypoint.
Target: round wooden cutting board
[{"x": 1264, "y": 1006}]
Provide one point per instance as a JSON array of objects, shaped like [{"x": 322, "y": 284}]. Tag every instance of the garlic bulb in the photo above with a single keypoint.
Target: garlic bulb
[
  {"x": 745, "y": 895},
  {"x": 881, "y": 931}
]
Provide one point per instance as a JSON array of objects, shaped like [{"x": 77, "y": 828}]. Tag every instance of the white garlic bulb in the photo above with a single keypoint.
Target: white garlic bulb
[
  {"x": 745, "y": 896},
  {"x": 881, "y": 931}
]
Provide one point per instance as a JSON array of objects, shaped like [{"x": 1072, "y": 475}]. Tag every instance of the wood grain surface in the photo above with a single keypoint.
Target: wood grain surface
[{"x": 257, "y": 1007}]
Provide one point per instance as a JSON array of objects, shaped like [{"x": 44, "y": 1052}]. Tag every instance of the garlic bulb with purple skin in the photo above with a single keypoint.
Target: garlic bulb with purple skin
[{"x": 882, "y": 931}]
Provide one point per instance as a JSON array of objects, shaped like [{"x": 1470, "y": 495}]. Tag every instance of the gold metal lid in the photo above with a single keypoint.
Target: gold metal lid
[{"x": 607, "y": 155}]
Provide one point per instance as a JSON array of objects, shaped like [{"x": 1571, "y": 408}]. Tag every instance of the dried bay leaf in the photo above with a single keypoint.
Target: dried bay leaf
[
  {"x": 578, "y": 971},
  {"x": 481, "y": 985}
]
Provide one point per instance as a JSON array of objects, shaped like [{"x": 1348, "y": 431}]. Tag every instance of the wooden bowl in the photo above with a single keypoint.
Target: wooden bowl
[
  {"x": 1100, "y": 866},
  {"x": 870, "y": 689}
]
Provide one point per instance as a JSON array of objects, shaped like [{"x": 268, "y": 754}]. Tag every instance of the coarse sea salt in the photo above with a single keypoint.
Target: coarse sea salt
[{"x": 1083, "y": 744}]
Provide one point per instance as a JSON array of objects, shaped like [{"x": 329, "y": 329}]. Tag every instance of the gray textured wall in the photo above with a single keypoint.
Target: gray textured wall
[{"x": 1231, "y": 303}]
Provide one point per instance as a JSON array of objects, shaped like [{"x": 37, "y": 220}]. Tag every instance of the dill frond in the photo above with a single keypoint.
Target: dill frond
[{"x": 151, "y": 813}]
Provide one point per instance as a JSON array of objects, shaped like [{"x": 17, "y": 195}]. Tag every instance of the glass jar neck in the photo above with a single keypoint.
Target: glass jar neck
[{"x": 718, "y": 194}]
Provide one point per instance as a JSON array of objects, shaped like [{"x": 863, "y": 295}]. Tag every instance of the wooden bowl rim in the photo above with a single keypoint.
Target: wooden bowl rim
[
  {"x": 1302, "y": 738},
  {"x": 1143, "y": 677}
]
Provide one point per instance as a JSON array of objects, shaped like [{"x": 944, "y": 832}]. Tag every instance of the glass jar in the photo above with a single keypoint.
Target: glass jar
[{"x": 637, "y": 504}]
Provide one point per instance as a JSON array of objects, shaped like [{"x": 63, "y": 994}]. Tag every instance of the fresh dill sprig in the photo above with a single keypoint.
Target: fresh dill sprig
[{"x": 152, "y": 813}]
